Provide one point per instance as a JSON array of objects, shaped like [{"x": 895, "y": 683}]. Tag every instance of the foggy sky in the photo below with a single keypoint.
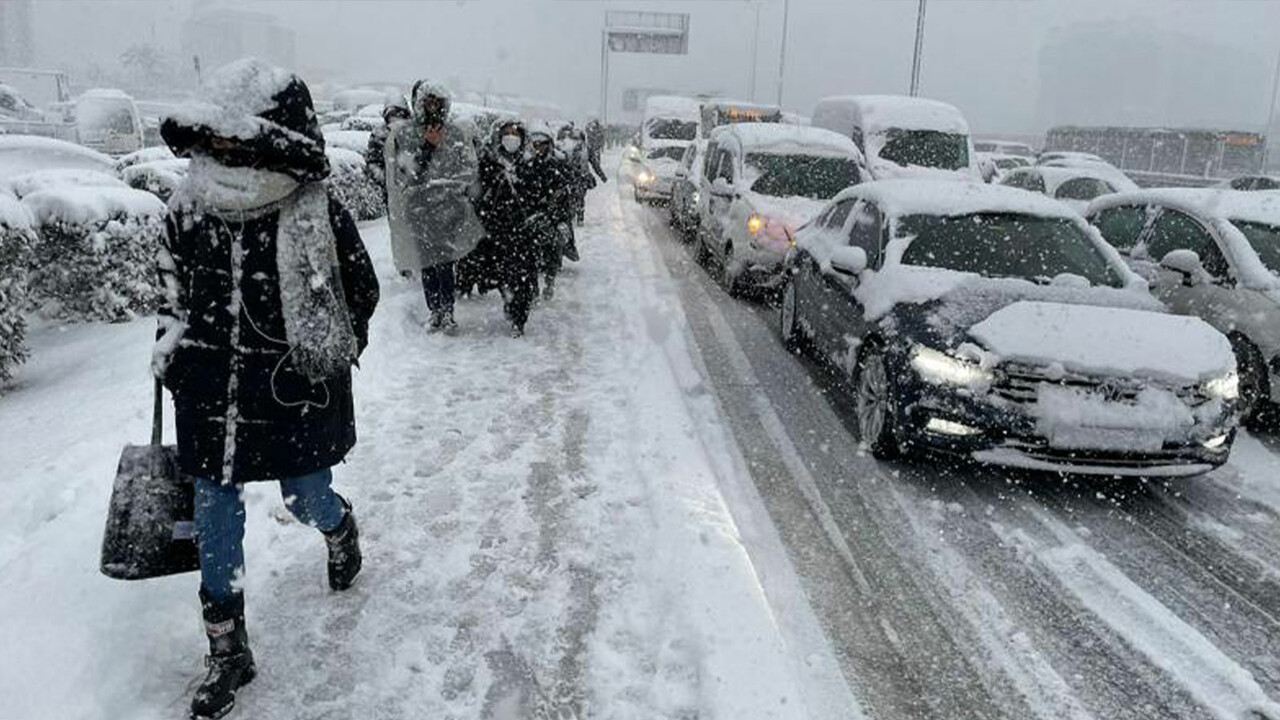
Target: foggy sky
[{"x": 982, "y": 55}]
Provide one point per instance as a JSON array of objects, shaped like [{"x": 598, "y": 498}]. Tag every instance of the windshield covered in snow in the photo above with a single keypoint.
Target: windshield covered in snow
[
  {"x": 1265, "y": 240},
  {"x": 672, "y": 129},
  {"x": 1006, "y": 245},
  {"x": 926, "y": 148},
  {"x": 102, "y": 116},
  {"x": 673, "y": 152},
  {"x": 819, "y": 178}
]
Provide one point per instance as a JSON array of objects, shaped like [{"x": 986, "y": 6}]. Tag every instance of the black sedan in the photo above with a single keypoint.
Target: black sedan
[{"x": 996, "y": 324}]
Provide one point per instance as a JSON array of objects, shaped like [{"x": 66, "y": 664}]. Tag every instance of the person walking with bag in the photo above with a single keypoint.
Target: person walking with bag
[
  {"x": 268, "y": 296},
  {"x": 431, "y": 181}
]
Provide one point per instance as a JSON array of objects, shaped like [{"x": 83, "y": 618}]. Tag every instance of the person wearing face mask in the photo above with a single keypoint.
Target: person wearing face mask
[
  {"x": 268, "y": 293},
  {"x": 573, "y": 143},
  {"x": 374, "y": 154},
  {"x": 431, "y": 180},
  {"x": 548, "y": 178},
  {"x": 505, "y": 206}
]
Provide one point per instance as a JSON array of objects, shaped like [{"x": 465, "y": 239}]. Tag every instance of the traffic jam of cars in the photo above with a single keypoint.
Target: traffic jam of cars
[{"x": 1050, "y": 311}]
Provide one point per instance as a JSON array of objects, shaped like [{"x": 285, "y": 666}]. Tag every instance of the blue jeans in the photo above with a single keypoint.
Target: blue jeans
[
  {"x": 439, "y": 285},
  {"x": 220, "y": 524}
]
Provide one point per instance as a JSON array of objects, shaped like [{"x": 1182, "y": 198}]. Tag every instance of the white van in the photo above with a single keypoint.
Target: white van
[
  {"x": 670, "y": 125},
  {"x": 903, "y": 137},
  {"x": 107, "y": 120}
]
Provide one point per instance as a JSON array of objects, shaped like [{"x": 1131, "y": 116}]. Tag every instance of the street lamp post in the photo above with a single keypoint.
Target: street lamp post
[
  {"x": 782, "y": 55},
  {"x": 1271, "y": 115},
  {"x": 755, "y": 50},
  {"x": 915, "y": 60}
]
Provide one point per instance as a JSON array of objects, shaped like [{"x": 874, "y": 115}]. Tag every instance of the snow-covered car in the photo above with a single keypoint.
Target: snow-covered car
[
  {"x": 903, "y": 137},
  {"x": 993, "y": 166},
  {"x": 997, "y": 324},
  {"x": 13, "y": 106},
  {"x": 24, "y": 184},
  {"x": 21, "y": 154},
  {"x": 144, "y": 155},
  {"x": 1074, "y": 186},
  {"x": 158, "y": 177},
  {"x": 367, "y": 119},
  {"x": 107, "y": 120},
  {"x": 1251, "y": 182},
  {"x": 353, "y": 140},
  {"x": 1214, "y": 254},
  {"x": 1060, "y": 156},
  {"x": 682, "y": 210},
  {"x": 657, "y": 170},
  {"x": 760, "y": 183}
]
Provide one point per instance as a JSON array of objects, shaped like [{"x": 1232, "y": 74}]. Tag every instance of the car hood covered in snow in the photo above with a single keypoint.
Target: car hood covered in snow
[
  {"x": 791, "y": 211},
  {"x": 1106, "y": 340}
]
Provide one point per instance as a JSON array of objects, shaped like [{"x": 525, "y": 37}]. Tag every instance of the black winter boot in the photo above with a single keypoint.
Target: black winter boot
[
  {"x": 345, "y": 559},
  {"x": 230, "y": 661}
]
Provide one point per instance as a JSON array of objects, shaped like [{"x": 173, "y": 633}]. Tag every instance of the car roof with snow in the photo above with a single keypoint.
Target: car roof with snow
[
  {"x": 672, "y": 106},
  {"x": 939, "y": 197},
  {"x": 787, "y": 139},
  {"x": 24, "y": 153},
  {"x": 880, "y": 112},
  {"x": 1210, "y": 203}
]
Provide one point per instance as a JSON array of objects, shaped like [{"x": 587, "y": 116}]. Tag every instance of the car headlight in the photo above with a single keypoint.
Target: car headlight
[
  {"x": 1226, "y": 387},
  {"x": 754, "y": 225},
  {"x": 645, "y": 177},
  {"x": 940, "y": 368}
]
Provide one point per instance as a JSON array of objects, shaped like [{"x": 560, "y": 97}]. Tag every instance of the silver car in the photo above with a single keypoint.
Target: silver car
[{"x": 1214, "y": 254}]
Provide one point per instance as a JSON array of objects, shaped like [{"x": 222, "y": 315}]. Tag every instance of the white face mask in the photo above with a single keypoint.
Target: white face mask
[{"x": 511, "y": 143}]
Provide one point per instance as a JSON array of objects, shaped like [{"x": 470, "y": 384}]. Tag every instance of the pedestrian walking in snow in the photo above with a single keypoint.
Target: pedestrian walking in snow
[
  {"x": 547, "y": 177},
  {"x": 431, "y": 181},
  {"x": 573, "y": 143},
  {"x": 268, "y": 294},
  {"x": 595, "y": 147},
  {"x": 511, "y": 249},
  {"x": 374, "y": 155}
]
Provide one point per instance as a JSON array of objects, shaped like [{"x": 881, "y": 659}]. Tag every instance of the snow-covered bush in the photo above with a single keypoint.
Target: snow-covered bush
[
  {"x": 16, "y": 244},
  {"x": 352, "y": 185},
  {"x": 24, "y": 184},
  {"x": 158, "y": 177},
  {"x": 356, "y": 141},
  {"x": 145, "y": 155},
  {"x": 96, "y": 252}
]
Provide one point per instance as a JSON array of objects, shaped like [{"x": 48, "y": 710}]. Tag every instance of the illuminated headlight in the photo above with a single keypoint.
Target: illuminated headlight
[
  {"x": 1215, "y": 442},
  {"x": 950, "y": 427},
  {"x": 754, "y": 225},
  {"x": 1226, "y": 387},
  {"x": 942, "y": 369},
  {"x": 645, "y": 177},
  {"x": 694, "y": 197},
  {"x": 633, "y": 153}
]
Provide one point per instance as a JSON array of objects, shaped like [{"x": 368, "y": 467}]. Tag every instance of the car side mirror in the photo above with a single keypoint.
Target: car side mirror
[
  {"x": 1186, "y": 263},
  {"x": 848, "y": 260},
  {"x": 681, "y": 172},
  {"x": 721, "y": 187}
]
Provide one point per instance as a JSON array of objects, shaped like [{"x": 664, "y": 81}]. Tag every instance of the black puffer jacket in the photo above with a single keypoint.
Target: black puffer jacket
[{"x": 241, "y": 406}]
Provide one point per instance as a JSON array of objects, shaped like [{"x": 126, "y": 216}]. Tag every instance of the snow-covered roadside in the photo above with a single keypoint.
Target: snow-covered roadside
[{"x": 543, "y": 529}]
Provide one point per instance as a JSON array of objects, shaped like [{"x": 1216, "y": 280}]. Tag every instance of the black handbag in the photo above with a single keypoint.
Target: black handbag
[{"x": 151, "y": 521}]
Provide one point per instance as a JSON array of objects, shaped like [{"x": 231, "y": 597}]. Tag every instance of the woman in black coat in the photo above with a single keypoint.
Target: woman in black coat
[
  {"x": 509, "y": 251},
  {"x": 269, "y": 294}
]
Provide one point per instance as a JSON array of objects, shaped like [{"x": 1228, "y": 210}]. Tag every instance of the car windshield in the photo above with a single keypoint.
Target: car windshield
[
  {"x": 674, "y": 152},
  {"x": 1006, "y": 245},
  {"x": 105, "y": 117},
  {"x": 1265, "y": 240},
  {"x": 672, "y": 129},
  {"x": 926, "y": 148},
  {"x": 1083, "y": 189},
  {"x": 808, "y": 176}
]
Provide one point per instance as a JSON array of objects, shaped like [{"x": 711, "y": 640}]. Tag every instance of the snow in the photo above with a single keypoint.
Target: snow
[
  {"x": 85, "y": 205},
  {"x": 672, "y": 106},
  {"x": 27, "y": 183},
  {"x": 1055, "y": 176},
  {"x": 12, "y": 214},
  {"x": 878, "y": 113},
  {"x": 1107, "y": 340},
  {"x": 145, "y": 155},
  {"x": 353, "y": 140},
  {"x": 232, "y": 96},
  {"x": 342, "y": 157},
  {"x": 542, "y": 528},
  {"x": 167, "y": 174},
  {"x": 948, "y": 199},
  {"x": 105, "y": 94},
  {"x": 782, "y": 139},
  {"x": 21, "y": 154}
]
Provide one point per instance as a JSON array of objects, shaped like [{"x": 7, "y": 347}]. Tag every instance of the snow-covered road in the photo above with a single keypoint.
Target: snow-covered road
[
  {"x": 967, "y": 592},
  {"x": 544, "y": 529}
]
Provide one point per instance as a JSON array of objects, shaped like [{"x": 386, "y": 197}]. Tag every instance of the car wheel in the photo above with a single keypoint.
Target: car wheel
[
  {"x": 875, "y": 405},
  {"x": 789, "y": 320},
  {"x": 727, "y": 278},
  {"x": 1255, "y": 391}
]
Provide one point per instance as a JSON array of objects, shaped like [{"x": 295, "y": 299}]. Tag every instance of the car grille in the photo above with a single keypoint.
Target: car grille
[{"x": 1021, "y": 384}]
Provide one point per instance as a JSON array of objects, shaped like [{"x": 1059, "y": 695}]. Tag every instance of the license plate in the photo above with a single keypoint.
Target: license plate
[{"x": 1093, "y": 438}]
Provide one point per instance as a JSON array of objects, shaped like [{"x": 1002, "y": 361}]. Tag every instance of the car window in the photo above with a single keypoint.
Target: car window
[
  {"x": 794, "y": 175},
  {"x": 1121, "y": 226},
  {"x": 1025, "y": 181},
  {"x": 690, "y": 155},
  {"x": 1265, "y": 240},
  {"x": 1175, "y": 230},
  {"x": 709, "y": 159},
  {"x": 1006, "y": 245},
  {"x": 926, "y": 148},
  {"x": 725, "y": 168},
  {"x": 674, "y": 152},
  {"x": 1083, "y": 188},
  {"x": 864, "y": 231},
  {"x": 839, "y": 213}
]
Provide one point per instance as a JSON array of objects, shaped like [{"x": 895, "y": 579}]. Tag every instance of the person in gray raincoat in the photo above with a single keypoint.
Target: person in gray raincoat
[{"x": 432, "y": 176}]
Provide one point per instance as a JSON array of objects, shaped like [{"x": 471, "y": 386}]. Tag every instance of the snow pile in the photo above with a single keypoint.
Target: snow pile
[
  {"x": 232, "y": 98},
  {"x": 25, "y": 184},
  {"x": 1107, "y": 341},
  {"x": 158, "y": 177},
  {"x": 96, "y": 252},
  {"x": 21, "y": 154},
  {"x": 16, "y": 244},
  {"x": 145, "y": 155},
  {"x": 1082, "y": 420},
  {"x": 361, "y": 123},
  {"x": 353, "y": 186},
  {"x": 353, "y": 140}
]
